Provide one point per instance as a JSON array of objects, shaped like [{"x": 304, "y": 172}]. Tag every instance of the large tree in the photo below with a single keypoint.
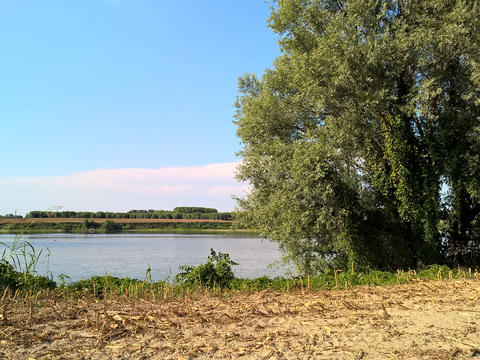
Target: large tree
[{"x": 362, "y": 144}]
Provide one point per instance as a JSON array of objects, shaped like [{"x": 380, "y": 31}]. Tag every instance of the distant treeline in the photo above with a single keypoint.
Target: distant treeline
[
  {"x": 111, "y": 226},
  {"x": 197, "y": 213},
  {"x": 11, "y": 216}
]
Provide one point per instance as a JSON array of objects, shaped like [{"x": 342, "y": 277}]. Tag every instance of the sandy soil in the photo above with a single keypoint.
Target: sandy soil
[{"x": 424, "y": 320}]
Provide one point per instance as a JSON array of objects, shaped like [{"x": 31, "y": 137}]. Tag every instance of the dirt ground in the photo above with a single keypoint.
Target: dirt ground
[{"x": 423, "y": 320}]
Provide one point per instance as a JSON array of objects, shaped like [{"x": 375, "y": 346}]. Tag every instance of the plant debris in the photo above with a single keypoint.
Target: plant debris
[{"x": 422, "y": 320}]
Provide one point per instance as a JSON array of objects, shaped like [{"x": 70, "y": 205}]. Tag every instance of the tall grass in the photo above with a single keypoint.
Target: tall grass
[
  {"x": 21, "y": 254},
  {"x": 18, "y": 265}
]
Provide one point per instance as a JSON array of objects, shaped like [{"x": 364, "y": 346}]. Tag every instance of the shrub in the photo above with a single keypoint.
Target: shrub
[
  {"x": 216, "y": 272},
  {"x": 23, "y": 281},
  {"x": 110, "y": 225},
  {"x": 87, "y": 224},
  {"x": 8, "y": 276}
]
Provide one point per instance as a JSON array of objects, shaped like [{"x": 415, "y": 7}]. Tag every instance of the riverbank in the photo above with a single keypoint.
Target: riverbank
[
  {"x": 421, "y": 320},
  {"x": 102, "y": 220},
  {"x": 77, "y": 225}
]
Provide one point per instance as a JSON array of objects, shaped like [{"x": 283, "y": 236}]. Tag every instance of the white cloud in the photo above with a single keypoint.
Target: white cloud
[
  {"x": 228, "y": 190},
  {"x": 109, "y": 189}
]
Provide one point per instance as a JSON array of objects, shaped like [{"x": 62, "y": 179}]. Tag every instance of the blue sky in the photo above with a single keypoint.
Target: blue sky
[{"x": 116, "y": 105}]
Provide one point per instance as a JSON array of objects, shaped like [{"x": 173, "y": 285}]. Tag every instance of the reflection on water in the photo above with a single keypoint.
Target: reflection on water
[{"x": 82, "y": 255}]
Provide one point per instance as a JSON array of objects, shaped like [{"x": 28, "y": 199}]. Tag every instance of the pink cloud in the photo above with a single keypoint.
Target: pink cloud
[
  {"x": 206, "y": 172},
  {"x": 209, "y": 185},
  {"x": 228, "y": 190}
]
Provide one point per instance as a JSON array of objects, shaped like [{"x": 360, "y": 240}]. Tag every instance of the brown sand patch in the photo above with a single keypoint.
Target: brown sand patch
[{"x": 425, "y": 320}]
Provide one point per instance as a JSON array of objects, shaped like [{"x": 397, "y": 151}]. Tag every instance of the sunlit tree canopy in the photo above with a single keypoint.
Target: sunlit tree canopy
[{"x": 361, "y": 143}]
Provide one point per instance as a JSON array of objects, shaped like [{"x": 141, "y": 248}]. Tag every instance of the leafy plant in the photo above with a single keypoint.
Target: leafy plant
[
  {"x": 216, "y": 272},
  {"x": 63, "y": 280}
]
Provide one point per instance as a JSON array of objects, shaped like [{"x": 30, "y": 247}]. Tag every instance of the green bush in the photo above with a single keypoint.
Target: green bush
[
  {"x": 216, "y": 272},
  {"x": 23, "y": 281},
  {"x": 8, "y": 276},
  {"x": 87, "y": 224},
  {"x": 110, "y": 225}
]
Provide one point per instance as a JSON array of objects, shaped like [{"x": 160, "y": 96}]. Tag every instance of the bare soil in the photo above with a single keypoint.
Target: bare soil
[{"x": 423, "y": 320}]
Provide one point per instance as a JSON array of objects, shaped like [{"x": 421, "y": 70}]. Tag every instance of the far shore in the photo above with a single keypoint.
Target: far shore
[
  {"x": 102, "y": 220},
  {"x": 74, "y": 225}
]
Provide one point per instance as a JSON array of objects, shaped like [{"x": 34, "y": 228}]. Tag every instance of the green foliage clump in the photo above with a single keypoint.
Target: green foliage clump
[
  {"x": 278, "y": 283},
  {"x": 336, "y": 279},
  {"x": 110, "y": 225},
  {"x": 192, "y": 210},
  {"x": 89, "y": 224},
  {"x": 99, "y": 286},
  {"x": 345, "y": 279},
  {"x": 17, "y": 267},
  {"x": 8, "y": 276},
  {"x": 216, "y": 272},
  {"x": 365, "y": 135},
  {"x": 14, "y": 280},
  {"x": 130, "y": 226},
  {"x": 177, "y": 213}
]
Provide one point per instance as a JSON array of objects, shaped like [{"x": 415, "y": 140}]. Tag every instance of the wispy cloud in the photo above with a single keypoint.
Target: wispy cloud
[
  {"x": 228, "y": 190},
  {"x": 172, "y": 179},
  {"x": 105, "y": 188}
]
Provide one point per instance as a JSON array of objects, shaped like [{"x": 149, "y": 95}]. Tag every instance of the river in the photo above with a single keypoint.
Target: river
[{"x": 80, "y": 256}]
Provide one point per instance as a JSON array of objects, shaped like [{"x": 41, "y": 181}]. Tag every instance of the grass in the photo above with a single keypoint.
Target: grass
[{"x": 108, "y": 287}]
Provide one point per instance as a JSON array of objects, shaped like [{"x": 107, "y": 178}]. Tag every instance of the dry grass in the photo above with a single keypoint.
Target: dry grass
[{"x": 422, "y": 320}]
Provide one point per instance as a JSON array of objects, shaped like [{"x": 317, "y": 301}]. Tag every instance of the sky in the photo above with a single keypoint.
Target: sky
[{"x": 114, "y": 105}]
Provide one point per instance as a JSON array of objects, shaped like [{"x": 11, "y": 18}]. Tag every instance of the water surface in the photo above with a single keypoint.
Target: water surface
[{"x": 81, "y": 256}]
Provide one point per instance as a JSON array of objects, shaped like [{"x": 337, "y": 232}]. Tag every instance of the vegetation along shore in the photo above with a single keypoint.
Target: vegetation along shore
[
  {"x": 181, "y": 218},
  {"x": 98, "y": 225}
]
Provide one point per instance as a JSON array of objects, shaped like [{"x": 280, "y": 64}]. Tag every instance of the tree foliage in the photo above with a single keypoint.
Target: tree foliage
[
  {"x": 198, "y": 213},
  {"x": 194, "y": 209},
  {"x": 362, "y": 143}
]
